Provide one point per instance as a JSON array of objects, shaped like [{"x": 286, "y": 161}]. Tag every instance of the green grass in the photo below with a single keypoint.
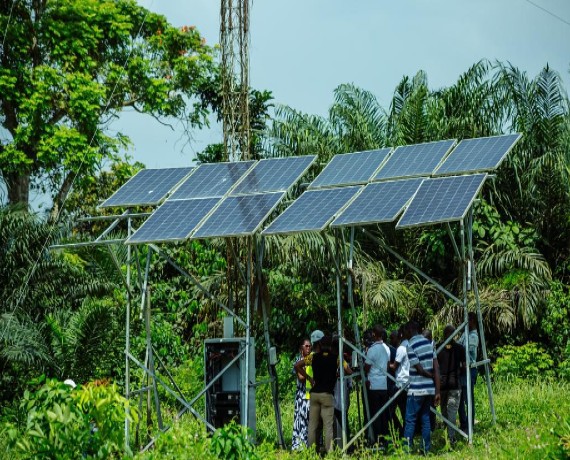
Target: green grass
[{"x": 533, "y": 421}]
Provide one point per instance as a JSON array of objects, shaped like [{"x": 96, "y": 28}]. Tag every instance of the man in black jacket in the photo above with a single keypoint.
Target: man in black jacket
[{"x": 451, "y": 361}]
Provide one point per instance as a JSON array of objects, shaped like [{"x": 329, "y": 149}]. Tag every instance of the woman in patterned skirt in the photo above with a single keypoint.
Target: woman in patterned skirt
[{"x": 302, "y": 402}]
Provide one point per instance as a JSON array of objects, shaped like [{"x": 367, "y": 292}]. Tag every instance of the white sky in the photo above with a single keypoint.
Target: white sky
[{"x": 302, "y": 49}]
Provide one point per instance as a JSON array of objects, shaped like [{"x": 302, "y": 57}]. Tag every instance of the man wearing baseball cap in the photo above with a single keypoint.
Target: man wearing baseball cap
[{"x": 324, "y": 366}]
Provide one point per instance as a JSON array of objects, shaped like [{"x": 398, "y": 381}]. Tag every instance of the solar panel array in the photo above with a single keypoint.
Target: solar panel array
[
  {"x": 478, "y": 155},
  {"x": 378, "y": 202},
  {"x": 275, "y": 174},
  {"x": 148, "y": 187},
  {"x": 211, "y": 180},
  {"x": 312, "y": 211},
  {"x": 350, "y": 168},
  {"x": 173, "y": 221},
  {"x": 234, "y": 199},
  {"x": 414, "y": 160},
  {"x": 239, "y": 215},
  {"x": 442, "y": 199}
]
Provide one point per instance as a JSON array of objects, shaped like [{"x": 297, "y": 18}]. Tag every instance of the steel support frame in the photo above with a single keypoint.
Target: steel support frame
[
  {"x": 464, "y": 251},
  {"x": 253, "y": 268}
]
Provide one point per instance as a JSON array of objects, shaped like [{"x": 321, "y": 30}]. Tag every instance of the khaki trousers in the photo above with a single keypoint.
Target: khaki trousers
[{"x": 322, "y": 406}]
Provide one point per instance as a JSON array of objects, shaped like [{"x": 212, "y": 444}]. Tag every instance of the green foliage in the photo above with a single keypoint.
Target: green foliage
[
  {"x": 232, "y": 443},
  {"x": 555, "y": 326},
  {"x": 68, "y": 423},
  {"x": 525, "y": 361},
  {"x": 90, "y": 60},
  {"x": 57, "y": 316}
]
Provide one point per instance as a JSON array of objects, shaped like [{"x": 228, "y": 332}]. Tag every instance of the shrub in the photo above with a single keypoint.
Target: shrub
[
  {"x": 66, "y": 423},
  {"x": 232, "y": 443},
  {"x": 528, "y": 360}
]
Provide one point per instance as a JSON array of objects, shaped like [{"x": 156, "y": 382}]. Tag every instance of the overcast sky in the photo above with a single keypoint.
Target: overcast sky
[{"x": 302, "y": 49}]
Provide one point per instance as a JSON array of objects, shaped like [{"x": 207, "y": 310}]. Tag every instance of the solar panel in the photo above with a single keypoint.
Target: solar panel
[
  {"x": 414, "y": 160},
  {"x": 275, "y": 174},
  {"x": 173, "y": 221},
  {"x": 312, "y": 211},
  {"x": 147, "y": 187},
  {"x": 350, "y": 168},
  {"x": 210, "y": 180},
  {"x": 378, "y": 202},
  {"x": 481, "y": 154},
  {"x": 442, "y": 199},
  {"x": 239, "y": 215}
]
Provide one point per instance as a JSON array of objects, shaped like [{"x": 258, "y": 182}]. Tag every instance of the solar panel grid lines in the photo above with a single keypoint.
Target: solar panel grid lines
[
  {"x": 147, "y": 187},
  {"x": 274, "y": 174},
  {"x": 351, "y": 168},
  {"x": 414, "y": 160},
  {"x": 211, "y": 180},
  {"x": 173, "y": 221},
  {"x": 312, "y": 211},
  {"x": 240, "y": 215},
  {"x": 477, "y": 155},
  {"x": 378, "y": 202},
  {"x": 442, "y": 199}
]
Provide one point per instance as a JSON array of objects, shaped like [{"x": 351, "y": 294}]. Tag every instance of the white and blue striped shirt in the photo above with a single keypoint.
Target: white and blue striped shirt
[{"x": 420, "y": 351}]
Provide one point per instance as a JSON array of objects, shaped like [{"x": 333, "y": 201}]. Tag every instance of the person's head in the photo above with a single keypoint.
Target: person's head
[
  {"x": 411, "y": 328},
  {"x": 378, "y": 332},
  {"x": 448, "y": 331},
  {"x": 472, "y": 319},
  {"x": 427, "y": 334},
  {"x": 325, "y": 344},
  {"x": 368, "y": 338},
  {"x": 316, "y": 336},
  {"x": 394, "y": 338},
  {"x": 305, "y": 347}
]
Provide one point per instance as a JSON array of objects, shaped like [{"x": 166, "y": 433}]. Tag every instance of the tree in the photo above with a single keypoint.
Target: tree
[{"x": 68, "y": 67}]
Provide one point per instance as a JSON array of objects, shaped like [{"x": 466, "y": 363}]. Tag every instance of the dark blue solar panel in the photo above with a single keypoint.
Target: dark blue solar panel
[
  {"x": 414, "y": 160},
  {"x": 312, "y": 211},
  {"x": 173, "y": 221},
  {"x": 378, "y": 202},
  {"x": 239, "y": 215},
  {"x": 275, "y": 174},
  {"x": 481, "y": 154},
  {"x": 351, "y": 168},
  {"x": 442, "y": 199},
  {"x": 147, "y": 187},
  {"x": 211, "y": 180}
]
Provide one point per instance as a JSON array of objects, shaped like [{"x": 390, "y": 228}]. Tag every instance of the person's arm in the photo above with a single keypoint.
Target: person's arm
[
  {"x": 436, "y": 381},
  {"x": 347, "y": 369},
  {"x": 300, "y": 370},
  {"x": 421, "y": 371}
]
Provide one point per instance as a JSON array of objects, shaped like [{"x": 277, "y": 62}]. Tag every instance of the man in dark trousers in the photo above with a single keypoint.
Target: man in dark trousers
[
  {"x": 424, "y": 385},
  {"x": 451, "y": 361}
]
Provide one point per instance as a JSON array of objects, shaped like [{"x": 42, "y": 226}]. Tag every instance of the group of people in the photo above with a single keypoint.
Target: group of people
[{"x": 404, "y": 369}]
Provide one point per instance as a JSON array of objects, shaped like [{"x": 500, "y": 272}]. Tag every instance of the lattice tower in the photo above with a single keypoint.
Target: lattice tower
[{"x": 234, "y": 40}]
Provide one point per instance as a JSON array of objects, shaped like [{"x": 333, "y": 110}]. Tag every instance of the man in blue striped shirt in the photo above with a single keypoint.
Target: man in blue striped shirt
[{"x": 424, "y": 384}]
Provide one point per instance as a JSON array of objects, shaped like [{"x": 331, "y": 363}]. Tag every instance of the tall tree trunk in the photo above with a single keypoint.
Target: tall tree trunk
[{"x": 18, "y": 185}]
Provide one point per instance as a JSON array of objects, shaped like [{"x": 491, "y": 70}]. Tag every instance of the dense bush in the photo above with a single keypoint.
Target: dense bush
[
  {"x": 528, "y": 360},
  {"x": 67, "y": 423}
]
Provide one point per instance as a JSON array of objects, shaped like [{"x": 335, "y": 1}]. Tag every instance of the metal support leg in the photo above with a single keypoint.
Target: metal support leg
[
  {"x": 469, "y": 399},
  {"x": 480, "y": 318}
]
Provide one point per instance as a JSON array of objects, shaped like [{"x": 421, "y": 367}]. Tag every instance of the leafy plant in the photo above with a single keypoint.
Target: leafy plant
[
  {"x": 528, "y": 360},
  {"x": 67, "y": 423},
  {"x": 232, "y": 443}
]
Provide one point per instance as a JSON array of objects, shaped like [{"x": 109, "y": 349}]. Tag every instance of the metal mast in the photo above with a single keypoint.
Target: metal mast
[{"x": 234, "y": 40}]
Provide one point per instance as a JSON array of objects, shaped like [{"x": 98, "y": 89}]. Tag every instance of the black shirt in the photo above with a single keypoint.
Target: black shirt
[
  {"x": 450, "y": 360},
  {"x": 324, "y": 372}
]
